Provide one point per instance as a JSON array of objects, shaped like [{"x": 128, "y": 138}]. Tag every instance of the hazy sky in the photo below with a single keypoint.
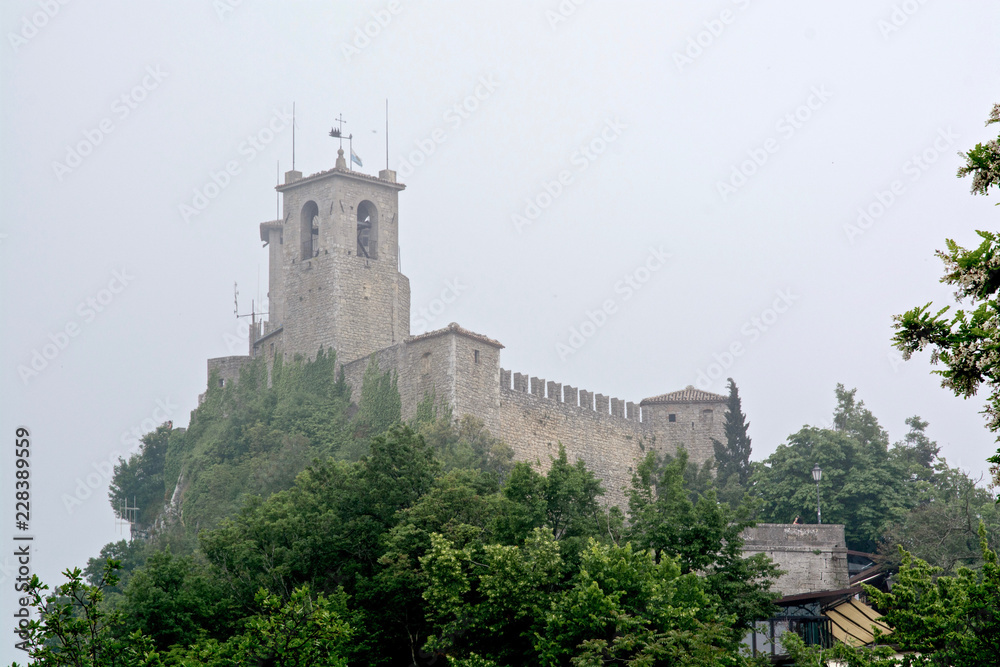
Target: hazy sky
[{"x": 554, "y": 154}]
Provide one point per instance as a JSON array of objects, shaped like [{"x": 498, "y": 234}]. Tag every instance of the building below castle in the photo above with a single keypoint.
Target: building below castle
[{"x": 336, "y": 284}]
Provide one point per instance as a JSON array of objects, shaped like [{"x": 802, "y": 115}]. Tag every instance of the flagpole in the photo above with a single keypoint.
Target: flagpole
[
  {"x": 350, "y": 145},
  {"x": 387, "y": 134},
  {"x": 293, "y": 136}
]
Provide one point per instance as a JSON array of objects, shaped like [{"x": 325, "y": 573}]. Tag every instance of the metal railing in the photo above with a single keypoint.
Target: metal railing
[{"x": 765, "y": 638}]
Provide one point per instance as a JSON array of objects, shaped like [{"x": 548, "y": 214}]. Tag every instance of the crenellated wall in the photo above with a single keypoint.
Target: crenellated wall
[{"x": 609, "y": 434}]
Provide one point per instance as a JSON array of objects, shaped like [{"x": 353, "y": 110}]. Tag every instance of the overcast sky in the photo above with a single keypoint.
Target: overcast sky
[{"x": 554, "y": 155}]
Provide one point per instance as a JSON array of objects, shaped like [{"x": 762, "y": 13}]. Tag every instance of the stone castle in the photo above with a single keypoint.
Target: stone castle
[{"x": 336, "y": 284}]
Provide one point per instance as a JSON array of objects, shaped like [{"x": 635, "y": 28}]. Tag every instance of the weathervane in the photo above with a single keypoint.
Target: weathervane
[{"x": 338, "y": 132}]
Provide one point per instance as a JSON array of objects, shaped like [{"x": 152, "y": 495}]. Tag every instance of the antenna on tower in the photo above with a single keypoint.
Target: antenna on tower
[
  {"x": 277, "y": 195},
  {"x": 293, "y": 136},
  {"x": 127, "y": 515},
  {"x": 252, "y": 314},
  {"x": 387, "y": 134}
]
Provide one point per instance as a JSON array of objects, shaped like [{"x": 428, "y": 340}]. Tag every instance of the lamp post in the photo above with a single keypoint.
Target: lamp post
[{"x": 818, "y": 475}]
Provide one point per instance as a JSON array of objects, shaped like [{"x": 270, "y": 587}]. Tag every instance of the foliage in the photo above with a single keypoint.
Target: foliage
[
  {"x": 732, "y": 458},
  {"x": 628, "y": 607},
  {"x": 564, "y": 501},
  {"x": 174, "y": 600},
  {"x": 916, "y": 450},
  {"x": 703, "y": 535},
  {"x": 466, "y": 444},
  {"x": 128, "y": 554},
  {"x": 942, "y": 528},
  {"x": 983, "y": 161},
  {"x": 302, "y": 632},
  {"x": 489, "y": 599},
  {"x": 950, "y": 620},
  {"x": 74, "y": 629},
  {"x": 139, "y": 482},
  {"x": 843, "y": 655},
  {"x": 854, "y": 420},
  {"x": 247, "y": 438},
  {"x": 379, "y": 407}
]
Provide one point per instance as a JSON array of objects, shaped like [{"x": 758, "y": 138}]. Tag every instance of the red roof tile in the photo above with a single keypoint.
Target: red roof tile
[{"x": 687, "y": 395}]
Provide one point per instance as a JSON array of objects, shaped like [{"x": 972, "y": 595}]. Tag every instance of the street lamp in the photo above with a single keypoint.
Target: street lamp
[{"x": 818, "y": 475}]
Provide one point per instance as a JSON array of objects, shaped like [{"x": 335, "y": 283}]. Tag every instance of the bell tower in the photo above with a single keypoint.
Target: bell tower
[{"x": 334, "y": 277}]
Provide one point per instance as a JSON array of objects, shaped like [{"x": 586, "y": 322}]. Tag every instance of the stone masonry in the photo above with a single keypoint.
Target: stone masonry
[
  {"x": 334, "y": 282},
  {"x": 814, "y": 556}
]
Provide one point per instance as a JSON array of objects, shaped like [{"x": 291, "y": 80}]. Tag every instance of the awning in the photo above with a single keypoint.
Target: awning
[{"x": 854, "y": 623}]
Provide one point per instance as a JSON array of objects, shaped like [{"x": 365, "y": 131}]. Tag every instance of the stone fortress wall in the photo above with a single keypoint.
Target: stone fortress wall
[{"x": 534, "y": 416}]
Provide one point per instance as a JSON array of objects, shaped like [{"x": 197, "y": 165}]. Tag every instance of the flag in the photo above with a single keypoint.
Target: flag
[{"x": 355, "y": 159}]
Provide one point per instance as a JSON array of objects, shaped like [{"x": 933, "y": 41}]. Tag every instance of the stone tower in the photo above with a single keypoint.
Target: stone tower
[{"x": 334, "y": 277}]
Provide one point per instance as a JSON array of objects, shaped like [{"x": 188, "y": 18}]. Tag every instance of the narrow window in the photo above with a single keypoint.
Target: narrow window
[
  {"x": 425, "y": 363},
  {"x": 222, "y": 383},
  {"x": 475, "y": 354},
  {"x": 309, "y": 231},
  {"x": 671, "y": 418},
  {"x": 367, "y": 230}
]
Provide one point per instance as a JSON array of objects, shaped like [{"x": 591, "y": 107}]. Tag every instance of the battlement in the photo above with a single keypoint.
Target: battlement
[
  {"x": 569, "y": 395},
  {"x": 295, "y": 179}
]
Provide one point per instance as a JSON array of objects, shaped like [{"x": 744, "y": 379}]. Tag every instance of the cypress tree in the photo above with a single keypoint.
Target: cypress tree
[{"x": 733, "y": 456}]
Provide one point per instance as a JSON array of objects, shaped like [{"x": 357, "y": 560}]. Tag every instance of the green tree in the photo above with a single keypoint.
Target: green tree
[
  {"x": 628, "y": 607},
  {"x": 917, "y": 451},
  {"x": 564, "y": 500},
  {"x": 74, "y": 630},
  {"x": 703, "y": 535},
  {"x": 490, "y": 600},
  {"x": 854, "y": 420},
  {"x": 462, "y": 506},
  {"x": 129, "y": 554},
  {"x": 467, "y": 444},
  {"x": 174, "y": 600},
  {"x": 952, "y": 621},
  {"x": 732, "y": 458},
  {"x": 860, "y": 487},
  {"x": 304, "y": 631}
]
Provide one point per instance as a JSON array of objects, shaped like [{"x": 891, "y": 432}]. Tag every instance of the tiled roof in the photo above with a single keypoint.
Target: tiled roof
[
  {"x": 265, "y": 227},
  {"x": 454, "y": 328},
  {"x": 687, "y": 395}
]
